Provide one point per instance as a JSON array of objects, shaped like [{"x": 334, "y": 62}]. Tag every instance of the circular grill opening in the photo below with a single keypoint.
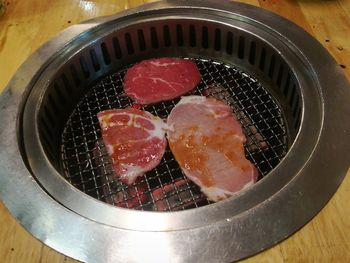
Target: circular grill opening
[
  {"x": 243, "y": 70},
  {"x": 86, "y": 165}
]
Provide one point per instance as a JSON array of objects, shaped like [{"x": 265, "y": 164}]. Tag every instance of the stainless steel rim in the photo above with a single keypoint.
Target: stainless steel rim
[{"x": 268, "y": 212}]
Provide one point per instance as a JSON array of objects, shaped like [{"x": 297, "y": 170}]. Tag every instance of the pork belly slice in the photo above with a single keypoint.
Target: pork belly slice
[
  {"x": 160, "y": 79},
  {"x": 207, "y": 141},
  {"x": 134, "y": 139}
]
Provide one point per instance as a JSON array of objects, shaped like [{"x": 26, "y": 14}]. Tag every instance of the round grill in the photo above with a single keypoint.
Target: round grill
[
  {"x": 86, "y": 164},
  {"x": 260, "y": 80}
]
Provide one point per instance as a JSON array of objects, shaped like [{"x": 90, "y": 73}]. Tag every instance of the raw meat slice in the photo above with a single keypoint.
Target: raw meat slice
[
  {"x": 207, "y": 141},
  {"x": 134, "y": 139},
  {"x": 161, "y": 79}
]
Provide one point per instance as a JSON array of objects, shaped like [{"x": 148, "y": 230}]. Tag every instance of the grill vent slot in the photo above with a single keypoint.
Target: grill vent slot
[
  {"x": 74, "y": 74},
  {"x": 292, "y": 95},
  {"x": 154, "y": 38},
  {"x": 141, "y": 37},
  {"x": 94, "y": 60},
  {"x": 272, "y": 66},
  {"x": 298, "y": 119},
  {"x": 192, "y": 34},
  {"x": 46, "y": 128},
  {"x": 229, "y": 44},
  {"x": 296, "y": 107},
  {"x": 49, "y": 116},
  {"x": 262, "y": 59},
  {"x": 166, "y": 33},
  {"x": 280, "y": 75},
  {"x": 66, "y": 84},
  {"x": 241, "y": 47},
  {"x": 252, "y": 52},
  {"x": 217, "y": 45},
  {"x": 117, "y": 49},
  {"x": 179, "y": 36},
  {"x": 84, "y": 67},
  {"x": 60, "y": 96},
  {"x": 205, "y": 36},
  {"x": 53, "y": 105},
  {"x": 105, "y": 53},
  {"x": 286, "y": 87},
  {"x": 129, "y": 45}
]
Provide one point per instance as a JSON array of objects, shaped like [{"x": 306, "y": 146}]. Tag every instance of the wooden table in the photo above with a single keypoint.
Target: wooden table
[{"x": 27, "y": 24}]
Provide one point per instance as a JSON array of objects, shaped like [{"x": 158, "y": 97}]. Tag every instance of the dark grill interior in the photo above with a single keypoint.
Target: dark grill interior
[{"x": 86, "y": 165}]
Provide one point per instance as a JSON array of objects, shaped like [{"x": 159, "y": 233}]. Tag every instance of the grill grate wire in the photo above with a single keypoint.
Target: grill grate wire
[{"x": 86, "y": 165}]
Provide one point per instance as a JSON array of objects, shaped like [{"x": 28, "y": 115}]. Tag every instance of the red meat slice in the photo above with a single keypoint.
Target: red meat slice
[
  {"x": 134, "y": 139},
  {"x": 160, "y": 79},
  {"x": 207, "y": 141}
]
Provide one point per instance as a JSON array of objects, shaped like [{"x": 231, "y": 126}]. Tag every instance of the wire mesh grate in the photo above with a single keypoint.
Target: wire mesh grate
[{"x": 86, "y": 164}]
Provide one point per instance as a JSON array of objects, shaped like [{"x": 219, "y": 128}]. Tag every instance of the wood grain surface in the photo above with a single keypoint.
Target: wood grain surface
[{"x": 26, "y": 24}]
